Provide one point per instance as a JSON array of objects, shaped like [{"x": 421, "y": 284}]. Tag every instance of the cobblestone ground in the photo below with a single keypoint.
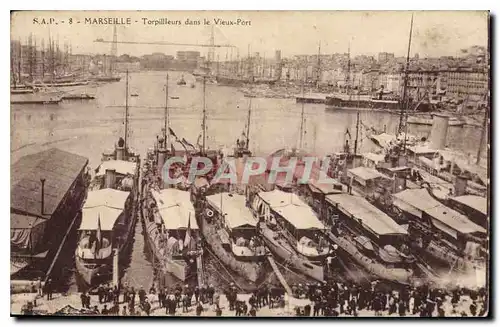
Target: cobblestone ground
[{"x": 59, "y": 301}]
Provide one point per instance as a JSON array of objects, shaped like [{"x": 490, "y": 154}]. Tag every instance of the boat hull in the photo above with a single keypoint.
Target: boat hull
[
  {"x": 178, "y": 268},
  {"x": 252, "y": 271},
  {"x": 280, "y": 248},
  {"x": 398, "y": 275},
  {"x": 92, "y": 276}
]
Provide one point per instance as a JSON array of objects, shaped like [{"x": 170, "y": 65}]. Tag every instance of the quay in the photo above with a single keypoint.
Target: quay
[
  {"x": 34, "y": 98},
  {"x": 70, "y": 305},
  {"x": 311, "y": 98}
]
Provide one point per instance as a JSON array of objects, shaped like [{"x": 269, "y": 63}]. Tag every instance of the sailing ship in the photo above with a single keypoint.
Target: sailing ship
[
  {"x": 109, "y": 212},
  {"x": 292, "y": 231}
]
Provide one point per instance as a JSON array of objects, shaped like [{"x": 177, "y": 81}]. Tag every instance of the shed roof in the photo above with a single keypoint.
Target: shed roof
[
  {"x": 370, "y": 216},
  {"x": 233, "y": 206},
  {"x": 176, "y": 208},
  {"x": 120, "y": 166},
  {"x": 59, "y": 168},
  {"x": 292, "y": 209}
]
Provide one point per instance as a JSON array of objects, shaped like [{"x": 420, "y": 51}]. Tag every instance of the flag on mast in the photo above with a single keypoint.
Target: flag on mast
[
  {"x": 99, "y": 232},
  {"x": 348, "y": 133},
  {"x": 187, "y": 239}
]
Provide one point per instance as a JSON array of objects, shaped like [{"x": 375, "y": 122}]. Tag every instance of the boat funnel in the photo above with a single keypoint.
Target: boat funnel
[
  {"x": 460, "y": 185},
  {"x": 110, "y": 178},
  {"x": 120, "y": 153},
  {"x": 438, "y": 133}
]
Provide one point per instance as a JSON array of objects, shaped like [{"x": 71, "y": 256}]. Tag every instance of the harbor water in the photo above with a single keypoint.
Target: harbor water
[{"x": 89, "y": 127}]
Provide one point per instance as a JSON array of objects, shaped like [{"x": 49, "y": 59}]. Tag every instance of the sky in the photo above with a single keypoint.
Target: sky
[{"x": 435, "y": 33}]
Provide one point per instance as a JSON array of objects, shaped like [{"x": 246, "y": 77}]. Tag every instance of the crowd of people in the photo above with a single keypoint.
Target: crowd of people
[
  {"x": 330, "y": 299},
  {"x": 334, "y": 299}
]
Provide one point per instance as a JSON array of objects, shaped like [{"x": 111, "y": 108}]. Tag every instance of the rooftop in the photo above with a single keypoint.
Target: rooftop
[{"x": 59, "y": 168}]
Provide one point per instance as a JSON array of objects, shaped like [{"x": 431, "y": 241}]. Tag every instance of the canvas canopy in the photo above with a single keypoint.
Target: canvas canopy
[
  {"x": 176, "y": 209},
  {"x": 103, "y": 207},
  {"x": 359, "y": 208},
  {"x": 414, "y": 201},
  {"x": 26, "y": 231},
  {"x": 364, "y": 174},
  {"x": 418, "y": 201},
  {"x": 475, "y": 202},
  {"x": 121, "y": 167},
  {"x": 292, "y": 208},
  {"x": 233, "y": 208}
]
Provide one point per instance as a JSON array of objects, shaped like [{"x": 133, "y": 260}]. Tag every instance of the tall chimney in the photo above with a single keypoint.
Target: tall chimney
[
  {"x": 42, "y": 205},
  {"x": 438, "y": 132},
  {"x": 110, "y": 178}
]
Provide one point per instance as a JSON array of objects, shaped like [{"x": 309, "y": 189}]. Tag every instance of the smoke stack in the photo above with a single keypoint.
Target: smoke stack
[
  {"x": 42, "y": 202},
  {"x": 110, "y": 178},
  {"x": 438, "y": 132},
  {"x": 460, "y": 185}
]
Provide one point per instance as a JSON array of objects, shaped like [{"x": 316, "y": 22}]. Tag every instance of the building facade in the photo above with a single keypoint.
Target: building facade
[{"x": 470, "y": 85}]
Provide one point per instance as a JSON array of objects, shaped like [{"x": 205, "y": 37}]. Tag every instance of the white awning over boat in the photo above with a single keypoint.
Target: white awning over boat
[
  {"x": 106, "y": 216},
  {"x": 106, "y": 197},
  {"x": 414, "y": 201},
  {"x": 121, "y": 167},
  {"x": 370, "y": 216},
  {"x": 175, "y": 208},
  {"x": 475, "y": 202},
  {"x": 292, "y": 208},
  {"x": 376, "y": 158},
  {"x": 103, "y": 207},
  {"x": 363, "y": 174},
  {"x": 454, "y": 220},
  {"x": 234, "y": 209},
  {"x": 417, "y": 201}
]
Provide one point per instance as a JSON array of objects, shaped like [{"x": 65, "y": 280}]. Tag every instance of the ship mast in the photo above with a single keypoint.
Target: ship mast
[
  {"x": 165, "y": 127},
  {"x": 318, "y": 77},
  {"x": 348, "y": 77},
  {"x": 357, "y": 134},
  {"x": 204, "y": 121},
  {"x": 248, "y": 122},
  {"x": 126, "y": 110},
  {"x": 302, "y": 117},
  {"x": 402, "y": 117}
]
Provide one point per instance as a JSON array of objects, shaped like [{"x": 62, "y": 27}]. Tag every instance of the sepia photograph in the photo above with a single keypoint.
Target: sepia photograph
[{"x": 250, "y": 164}]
